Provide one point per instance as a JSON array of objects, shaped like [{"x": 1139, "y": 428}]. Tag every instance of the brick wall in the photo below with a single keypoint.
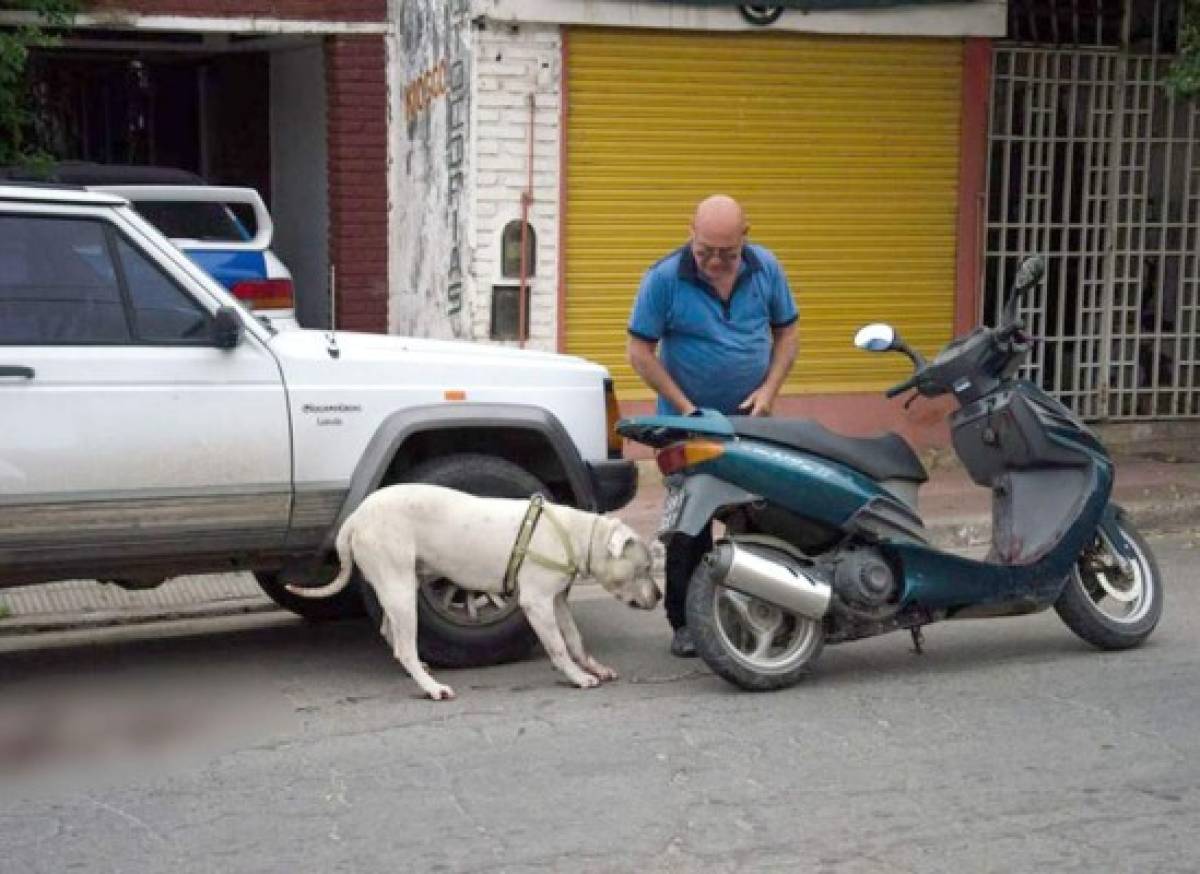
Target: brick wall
[
  {"x": 357, "y": 152},
  {"x": 315, "y": 10},
  {"x": 509, "y": 65}
]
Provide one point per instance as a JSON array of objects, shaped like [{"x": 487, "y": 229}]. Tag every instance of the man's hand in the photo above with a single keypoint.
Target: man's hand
[
  {"x": 758, "y": 402},
  {"x": 642, "y": 358},
  {"x": 783, "y": 353}
]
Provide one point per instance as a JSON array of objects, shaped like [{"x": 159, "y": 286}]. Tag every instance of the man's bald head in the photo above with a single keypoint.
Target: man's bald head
[
  {"x": 719, "y": 216},
  {"x": 718, "y": 234}
]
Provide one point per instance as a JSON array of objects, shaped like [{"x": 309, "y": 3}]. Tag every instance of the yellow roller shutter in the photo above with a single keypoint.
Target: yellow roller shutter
[{"x": 843, "y": 150}]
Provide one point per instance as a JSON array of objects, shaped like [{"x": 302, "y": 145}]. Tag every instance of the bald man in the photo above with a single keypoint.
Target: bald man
[{"x": 714, "y": 327}]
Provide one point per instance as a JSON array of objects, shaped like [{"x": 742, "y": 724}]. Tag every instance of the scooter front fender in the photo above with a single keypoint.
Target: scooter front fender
[
  {"x": 692, "y": 501},
  {"x": 1110, "y": 524}
]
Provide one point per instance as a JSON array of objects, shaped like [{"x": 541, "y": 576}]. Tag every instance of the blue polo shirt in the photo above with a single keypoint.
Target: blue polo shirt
[{"x": 717, "y": 351}]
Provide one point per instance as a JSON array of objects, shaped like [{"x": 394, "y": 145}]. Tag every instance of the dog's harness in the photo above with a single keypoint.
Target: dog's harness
[{"x": 521, "y": 550}]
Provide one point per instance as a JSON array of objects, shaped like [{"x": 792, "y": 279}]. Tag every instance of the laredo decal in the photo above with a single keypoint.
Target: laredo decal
[
  {"x": 327, "y": 414},
  {"x": 332, "y": 408}
]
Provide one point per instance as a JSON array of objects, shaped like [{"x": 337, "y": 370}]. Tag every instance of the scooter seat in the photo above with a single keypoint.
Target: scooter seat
[{"x": 881, "y": 458}]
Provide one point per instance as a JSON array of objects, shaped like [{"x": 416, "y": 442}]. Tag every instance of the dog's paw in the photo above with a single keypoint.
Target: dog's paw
[
  {"x": 602, "y": 672},
  {"x": 441, "y": 693},
  {"x": 587, "y": 681}
]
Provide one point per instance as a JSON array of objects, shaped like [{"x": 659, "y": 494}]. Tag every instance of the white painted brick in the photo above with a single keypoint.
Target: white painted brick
[
  {"x": 509, "y": 98},
  {"x": 501, "y": 163},
  {"x": 508, "y": 66},
  {"x": 509, "y": 130}
]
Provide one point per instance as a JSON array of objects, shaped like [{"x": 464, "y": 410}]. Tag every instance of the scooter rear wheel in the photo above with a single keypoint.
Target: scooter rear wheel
[
  {"x": 747, "y": 641},
  {"x": 1110, "y": 602}
]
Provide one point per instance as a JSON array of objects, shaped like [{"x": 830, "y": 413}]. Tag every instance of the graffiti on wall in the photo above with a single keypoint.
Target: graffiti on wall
[
  {"x": 456, "y": 144},
  {"x": 433, "y": 167},
  {"x": 421, "y": 92}
]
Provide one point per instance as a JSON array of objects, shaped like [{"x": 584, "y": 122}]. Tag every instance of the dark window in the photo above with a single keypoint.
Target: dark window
[
  {"x": 193, "y": 220},
  {"x": 162, "y": 312},
  {"x": 57, "y": 284},
  {"x": 510, "y": 250},
  {"x": 506, "y": 313}
]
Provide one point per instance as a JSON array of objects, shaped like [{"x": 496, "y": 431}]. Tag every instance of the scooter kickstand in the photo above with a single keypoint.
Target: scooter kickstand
[{"x": 918, "y": 639}]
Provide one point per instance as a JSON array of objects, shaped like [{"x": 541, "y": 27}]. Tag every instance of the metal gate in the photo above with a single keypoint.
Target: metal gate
[{"x": 1093, "y": 165}]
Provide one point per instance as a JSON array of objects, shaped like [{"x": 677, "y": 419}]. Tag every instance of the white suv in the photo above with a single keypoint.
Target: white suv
[{"x": 152, "y": 427}]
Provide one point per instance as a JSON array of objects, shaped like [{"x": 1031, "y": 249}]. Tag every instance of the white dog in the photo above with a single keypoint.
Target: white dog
[{"x": 403, "y": 533}]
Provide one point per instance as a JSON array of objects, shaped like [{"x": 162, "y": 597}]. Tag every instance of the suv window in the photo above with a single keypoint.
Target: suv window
[
  {"x": 57, "y": 286},
  {"x": 162, "y": 312}
]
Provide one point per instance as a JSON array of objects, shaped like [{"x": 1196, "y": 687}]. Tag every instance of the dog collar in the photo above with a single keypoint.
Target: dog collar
[{"x": 521, "y": 550}]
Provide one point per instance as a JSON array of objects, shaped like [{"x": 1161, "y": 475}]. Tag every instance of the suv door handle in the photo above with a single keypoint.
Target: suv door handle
[{"x": 18, "y": 370}]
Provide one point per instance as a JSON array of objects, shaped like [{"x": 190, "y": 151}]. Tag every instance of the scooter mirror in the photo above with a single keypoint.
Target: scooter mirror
[
  {"x": 1031, "y": 270},
  {"x": 876, "y": 337}
]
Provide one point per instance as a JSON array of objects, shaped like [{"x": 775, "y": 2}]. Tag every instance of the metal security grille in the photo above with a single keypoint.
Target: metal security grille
[{"x": 1096, "y": 167}]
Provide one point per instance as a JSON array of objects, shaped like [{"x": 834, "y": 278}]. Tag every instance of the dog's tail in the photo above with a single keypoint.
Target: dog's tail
[{"x": 346, "y": 556}]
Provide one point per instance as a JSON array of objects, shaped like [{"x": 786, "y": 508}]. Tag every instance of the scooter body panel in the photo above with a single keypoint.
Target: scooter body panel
[
  {"x": 806, "y": 484},
  {"x": 940, "y": 581},
  {"x": 830, "y": 494}
]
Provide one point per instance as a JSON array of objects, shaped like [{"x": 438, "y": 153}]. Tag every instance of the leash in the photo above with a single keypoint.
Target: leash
[{"x": 521, "y": 550}]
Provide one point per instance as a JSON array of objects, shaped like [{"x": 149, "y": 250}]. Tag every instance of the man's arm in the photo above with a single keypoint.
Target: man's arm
[
  {"x": 641, "y": 356},
  {"x": 783, "y": 354}
]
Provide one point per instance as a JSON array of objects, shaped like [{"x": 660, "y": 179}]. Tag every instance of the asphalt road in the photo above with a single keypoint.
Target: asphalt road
[{"x": 261, "y": 744}]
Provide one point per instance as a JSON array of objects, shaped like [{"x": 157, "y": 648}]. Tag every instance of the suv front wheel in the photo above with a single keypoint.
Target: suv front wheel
[{"x": 457, "y": 627}]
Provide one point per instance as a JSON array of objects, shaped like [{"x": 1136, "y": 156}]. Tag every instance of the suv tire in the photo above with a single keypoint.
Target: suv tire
[{"x": 500, "y": 632}]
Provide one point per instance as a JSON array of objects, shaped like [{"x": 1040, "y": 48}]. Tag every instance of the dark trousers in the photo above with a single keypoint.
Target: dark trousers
[{"x": 683, "y": 554}]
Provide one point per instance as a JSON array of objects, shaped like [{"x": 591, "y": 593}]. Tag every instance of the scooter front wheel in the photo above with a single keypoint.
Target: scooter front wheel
[
  {"x": 1111, "y": 601},
  {"x": 747, "y": 641}
]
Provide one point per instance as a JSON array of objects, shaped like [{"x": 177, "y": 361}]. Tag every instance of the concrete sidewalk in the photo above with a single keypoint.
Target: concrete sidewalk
[{"x": 1161, "y": 491}]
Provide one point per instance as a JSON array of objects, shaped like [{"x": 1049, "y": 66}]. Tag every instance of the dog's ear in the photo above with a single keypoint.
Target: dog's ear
[{"x": 620, "y": 537}]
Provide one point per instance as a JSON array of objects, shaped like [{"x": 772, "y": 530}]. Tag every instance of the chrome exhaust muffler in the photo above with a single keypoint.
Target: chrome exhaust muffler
[{"x": 775, "y": 582}]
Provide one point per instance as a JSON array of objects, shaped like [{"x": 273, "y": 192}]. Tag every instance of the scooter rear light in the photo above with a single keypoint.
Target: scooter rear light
[
  {"x": 264, "y": 294},
  {"x": 677, "y": 456}
]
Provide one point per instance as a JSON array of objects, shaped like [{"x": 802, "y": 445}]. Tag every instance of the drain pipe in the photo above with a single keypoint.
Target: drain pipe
[{"x": 526, "y": 202}]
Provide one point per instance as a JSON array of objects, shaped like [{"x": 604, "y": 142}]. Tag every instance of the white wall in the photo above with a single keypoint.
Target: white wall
[
  {"x": 430, "y": 256},
  {"x": 299, "y": 189},
  {"x": 512, "y": 50},
  {"x": 512, "y": 63}
]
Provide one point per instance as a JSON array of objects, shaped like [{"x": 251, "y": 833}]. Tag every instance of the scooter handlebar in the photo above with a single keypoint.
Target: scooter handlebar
[{"x": 902, "y": 387}]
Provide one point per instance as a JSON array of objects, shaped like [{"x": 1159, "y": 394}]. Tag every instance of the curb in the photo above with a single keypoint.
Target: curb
[
  {"x": 48, "y": 623},
  {"x": 1149, "y": 517}
]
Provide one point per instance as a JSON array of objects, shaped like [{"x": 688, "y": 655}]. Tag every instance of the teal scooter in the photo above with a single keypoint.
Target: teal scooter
[{"x": 823, "y": 543}]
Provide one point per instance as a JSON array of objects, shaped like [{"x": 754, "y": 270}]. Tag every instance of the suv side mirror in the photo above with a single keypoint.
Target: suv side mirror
[
  {"x": 1031, "y": 270},
  {"x": 227, "y": 327}
]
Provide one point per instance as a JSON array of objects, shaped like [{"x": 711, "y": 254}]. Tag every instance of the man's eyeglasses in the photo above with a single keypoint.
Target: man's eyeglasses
[{"x": 726, "y": 255}]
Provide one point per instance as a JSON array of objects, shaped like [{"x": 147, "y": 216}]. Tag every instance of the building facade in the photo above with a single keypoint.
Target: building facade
[
  {"x": 286, "y": 96},
  {"x": 505, "y": 170},
  {"x": 547, "y": 152}
]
